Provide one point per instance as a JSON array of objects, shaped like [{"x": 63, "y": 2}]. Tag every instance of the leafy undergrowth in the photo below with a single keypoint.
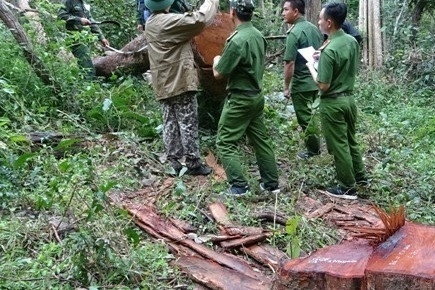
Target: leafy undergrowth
[{"x": 97, "y": 245}]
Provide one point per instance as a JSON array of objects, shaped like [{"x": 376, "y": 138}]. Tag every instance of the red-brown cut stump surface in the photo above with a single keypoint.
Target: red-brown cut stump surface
[
  {"x": 335, "y": 267},
  {"x": 405, "y": 261}
]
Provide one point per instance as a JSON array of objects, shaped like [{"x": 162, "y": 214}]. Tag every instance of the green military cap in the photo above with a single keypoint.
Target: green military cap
[
  {"x": 157, "y": 5},
  {"x": 243, "y": 6}
]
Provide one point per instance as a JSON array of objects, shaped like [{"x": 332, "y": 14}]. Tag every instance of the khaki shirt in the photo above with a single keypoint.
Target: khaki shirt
[
  {"x": 170, "y": 52},
  {"x": 302, "y": 34},
  {"x": 338, "y": 63},
  {"x": 242, "y": 60}
]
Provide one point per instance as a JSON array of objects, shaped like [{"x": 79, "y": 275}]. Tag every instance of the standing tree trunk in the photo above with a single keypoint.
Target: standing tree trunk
[
  {"x": 312, "y": 10},
  {"x": 376, "y": 34},
  {"x": 21, "y": 37},
  {"x": 370, "y": 25},
  {"x": 362, "y": 25}
]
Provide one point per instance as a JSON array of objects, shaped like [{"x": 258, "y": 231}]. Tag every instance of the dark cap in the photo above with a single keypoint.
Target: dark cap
[{"x": 243, "y": 6}]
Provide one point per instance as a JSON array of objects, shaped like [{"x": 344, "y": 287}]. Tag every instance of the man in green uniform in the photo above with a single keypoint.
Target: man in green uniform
[
  {"x": 304, "y": 90},
  {"x": 242, "y": 61},
  {"x": 337, "y": 69},
  {"x": 77, "y": 14},
  {"x": 174, "y": 77}
]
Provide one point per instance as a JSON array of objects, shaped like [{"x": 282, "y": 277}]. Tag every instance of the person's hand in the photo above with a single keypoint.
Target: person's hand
[
  {"x": 85, "y": 21},
  {"x": 140, "y": 27},
  {"x": 105, "y": 42},
  {"x": 316, "y": 55},
  {"x": 287, "y": 94}
]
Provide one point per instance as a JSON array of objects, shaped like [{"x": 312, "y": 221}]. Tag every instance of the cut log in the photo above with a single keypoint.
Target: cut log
[
  {"x": 134, "y": 63},
  {"x": 405, "y": 261},
  {"x": 217, "y": 277},
  {"x": 335, "y": 267},
  {"x": 206, "y": 46}
]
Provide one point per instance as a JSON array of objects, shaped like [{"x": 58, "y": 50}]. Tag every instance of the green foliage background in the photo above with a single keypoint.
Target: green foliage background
[{"x": 110, "y": 134}]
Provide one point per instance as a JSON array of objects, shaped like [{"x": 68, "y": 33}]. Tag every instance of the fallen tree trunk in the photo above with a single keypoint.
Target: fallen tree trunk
[{"x": 134, "y": 59}]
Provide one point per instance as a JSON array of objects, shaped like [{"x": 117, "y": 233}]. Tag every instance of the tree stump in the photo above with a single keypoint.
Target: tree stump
[{"x": 406, "y": 260}]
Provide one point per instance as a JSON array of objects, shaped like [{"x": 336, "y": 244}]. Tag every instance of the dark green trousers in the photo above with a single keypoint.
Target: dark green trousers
[
  {"x": 338, "y": 117},
  {"x": 244, "y": 114},
  {"x": 302, "y": 104},
  {"x": 83, "y": 55}
]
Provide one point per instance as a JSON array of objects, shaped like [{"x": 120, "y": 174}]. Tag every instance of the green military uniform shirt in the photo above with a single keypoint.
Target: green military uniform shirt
[
  {"x": 244, "y": 71},
  {"x": 302, "y": 34},
  {"x": 72, "y": 11},
  {"x": 338, "y": 63}
]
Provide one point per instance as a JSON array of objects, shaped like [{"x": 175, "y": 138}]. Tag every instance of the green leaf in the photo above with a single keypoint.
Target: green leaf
[
  {"x": 20, "y": 161},
  {"x": 295, "y": 247},
  {"x": 106, "y": 187},
  {"x": 4, "y": 121},
  {"x": 65, "y": 143},
  {"x": 291, "y": 225},
  {"x": 18, "y": 138},
  {"x": 132, "y": 235},
  {"x": 64, "y": 166}
]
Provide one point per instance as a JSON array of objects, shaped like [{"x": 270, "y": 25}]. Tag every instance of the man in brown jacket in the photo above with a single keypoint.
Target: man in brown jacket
[{"x": 174, "y": 78}]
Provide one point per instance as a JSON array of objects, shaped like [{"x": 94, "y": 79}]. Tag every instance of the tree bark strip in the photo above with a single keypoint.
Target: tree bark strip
[
  {"x": 148, "y": 216},
  {"x": 245, "y": 242},
  {"x": 217, "y": 277}
]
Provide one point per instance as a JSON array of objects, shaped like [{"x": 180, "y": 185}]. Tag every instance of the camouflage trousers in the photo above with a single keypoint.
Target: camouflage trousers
[{"x": 180, "y": 129}]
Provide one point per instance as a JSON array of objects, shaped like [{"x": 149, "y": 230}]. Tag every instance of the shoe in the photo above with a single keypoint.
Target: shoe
[
  {"x": 236, "y": 190},
  {"x": 305, "y": 155},
  {"x": 274, "y": 190},
  {"x": 342, "y": 192},
  {"x": 199, "y": 170}
]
